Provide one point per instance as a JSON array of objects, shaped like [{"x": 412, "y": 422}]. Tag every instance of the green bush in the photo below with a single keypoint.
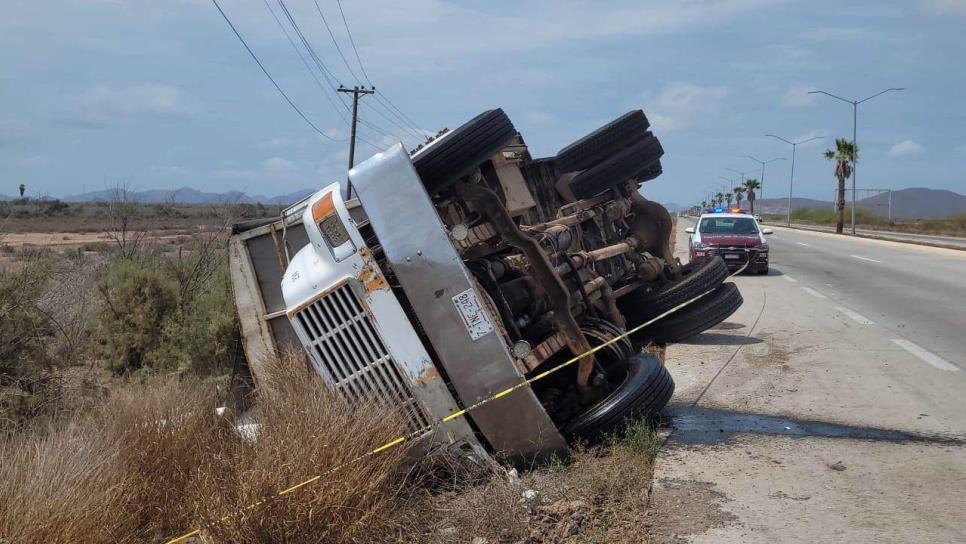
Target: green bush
[
  {"x": 829, "y": 217},
  {"x": 203, "y": 337},
  {"x": 154, "y": 317},
  {"x": 138, "y": 302},
  {"x": 25, "y": 364}
]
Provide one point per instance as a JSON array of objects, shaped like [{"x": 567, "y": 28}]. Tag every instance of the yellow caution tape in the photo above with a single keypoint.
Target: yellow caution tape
[{"x": 419, "y": 433}]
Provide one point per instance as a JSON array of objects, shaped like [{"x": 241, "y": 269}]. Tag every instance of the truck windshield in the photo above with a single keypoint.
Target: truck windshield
[{"x": 728, "y": 225}]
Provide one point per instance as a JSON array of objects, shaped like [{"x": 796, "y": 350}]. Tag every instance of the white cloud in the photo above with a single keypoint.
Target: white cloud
[
  {"x": 149, "y": 99},
  {"x": 955, "y": 7},
  {"x": 830, "y": 34},
  {"x": 276, "y": 143},
  {"x": 420, "y": 25},
  {"x": 797, "y": 97},
  {"x": 680, "y": 104},
  {"x": 170, "y": 170},
  {"x": 279, "y": 165},
  {"x": 905, "y": 148}
]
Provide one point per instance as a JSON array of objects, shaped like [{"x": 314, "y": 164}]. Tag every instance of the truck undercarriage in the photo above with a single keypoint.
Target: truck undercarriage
[{"x": 467, "y": 266}]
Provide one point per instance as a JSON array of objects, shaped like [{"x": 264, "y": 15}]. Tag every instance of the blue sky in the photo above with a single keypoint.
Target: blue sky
[{"x": 150, "y": 94}]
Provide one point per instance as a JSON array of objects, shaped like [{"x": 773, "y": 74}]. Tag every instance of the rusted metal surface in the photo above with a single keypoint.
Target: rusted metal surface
[
  {"x": 370, "y": 278},
  {"x": 544, "y": 350},
  {"x": 428, "y": 375},
  {"x": 489, "y": 203},
  {"x": 600, "y": 285},
  {"x": 652, "y": 227},
  {"x": 475, "y": 235},
  {"x": 441, "y": 295}
]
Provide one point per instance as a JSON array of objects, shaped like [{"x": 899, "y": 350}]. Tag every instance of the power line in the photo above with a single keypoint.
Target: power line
[
  {"x": 345, "y": 61},
  {"x": 269, "y": 76},
  {"x": 379, "y": 95},
  {"x": 337, "y": 48},
  {"x": 326, "y": 73},
  {"x": 353, "y": 43},
  {"x": 419, "y": 137},
  {"x": 306, "y": 63}
]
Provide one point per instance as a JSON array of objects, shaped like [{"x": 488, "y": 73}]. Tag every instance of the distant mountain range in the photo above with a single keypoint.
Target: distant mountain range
[
  {"x": 913, "y": 203},
  {"x": 187, "y": 195}
]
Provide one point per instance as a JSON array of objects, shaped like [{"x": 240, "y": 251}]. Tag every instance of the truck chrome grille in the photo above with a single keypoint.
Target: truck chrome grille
[{"x": 352, "y": 357}]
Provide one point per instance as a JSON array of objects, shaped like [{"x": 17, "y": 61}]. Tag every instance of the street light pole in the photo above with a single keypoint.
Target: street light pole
[
  {"x": 763, "y": 163},
  {"x": 741, "y": 179},
  {"x": 855, "y": 123},
  {"x": 791, "y": 180}
]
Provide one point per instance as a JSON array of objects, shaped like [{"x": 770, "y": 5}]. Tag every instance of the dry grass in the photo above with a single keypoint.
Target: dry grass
[
  {"x": 154, "y": 460},
  {"x": 598, "y": 495}
]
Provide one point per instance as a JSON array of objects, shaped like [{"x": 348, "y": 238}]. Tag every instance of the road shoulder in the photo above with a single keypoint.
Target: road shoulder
[{"x": 793, "y": 422}]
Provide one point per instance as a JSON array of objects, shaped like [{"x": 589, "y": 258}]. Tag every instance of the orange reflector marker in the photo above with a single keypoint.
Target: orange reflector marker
[{"x": 323, "y": 207}]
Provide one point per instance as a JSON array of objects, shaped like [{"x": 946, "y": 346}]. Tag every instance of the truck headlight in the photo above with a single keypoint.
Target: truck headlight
[
  {"x": 697, "y": 245},
  {"x": 330, "y": 224},
  {"x": 762, "y": 247},
  {"x": 324, "y": 214}
]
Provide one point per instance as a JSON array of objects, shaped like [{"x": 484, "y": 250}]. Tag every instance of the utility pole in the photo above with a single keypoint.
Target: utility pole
[
  {"x": 356, "y": 92},
  {"x": 855, "y": 124}
]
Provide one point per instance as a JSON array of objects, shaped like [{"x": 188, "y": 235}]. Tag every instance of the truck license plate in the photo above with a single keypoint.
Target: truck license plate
[
  {"x": 732, "y": 256},
  {"x": 474, "y": 316}
]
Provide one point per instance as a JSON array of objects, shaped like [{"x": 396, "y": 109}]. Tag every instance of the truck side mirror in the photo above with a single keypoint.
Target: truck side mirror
[
  {"x": 689, "y": 230},
  {"x": 767, "y": 231}
]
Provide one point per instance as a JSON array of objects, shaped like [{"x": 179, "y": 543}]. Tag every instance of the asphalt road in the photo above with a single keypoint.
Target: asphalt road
[
  {"x": 829, "y": 407},
  {"x": 918, "y": 293}
]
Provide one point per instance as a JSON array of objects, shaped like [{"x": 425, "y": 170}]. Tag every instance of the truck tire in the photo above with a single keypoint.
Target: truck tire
[
  {"x": 699, "y": 276},
  {"x": 602, "y": 143},
  {"x": 649, "y": 173},
  {"x": 617, "y": 169},
  {"x": 697, "y": 317},
  {"x": 460, "y": 151},
  {"x": 646, "y": 388}
]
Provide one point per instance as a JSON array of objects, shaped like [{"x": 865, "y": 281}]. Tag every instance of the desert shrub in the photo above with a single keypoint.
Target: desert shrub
[
  {"x": 138, "y": 300},
  {"x": 115, "y": 474},
  {"x": 154, "y": 461},
  {"x": 169, "y": 311},
  {"x": 54, "y": 207},
  {"x": 828, "y": 216},
  {"x": 203, "y": 336},
  {"x": 25, "y": 364}
]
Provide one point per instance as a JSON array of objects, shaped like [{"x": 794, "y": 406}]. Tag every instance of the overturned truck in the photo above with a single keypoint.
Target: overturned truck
[{"x": 440, "y": 277}]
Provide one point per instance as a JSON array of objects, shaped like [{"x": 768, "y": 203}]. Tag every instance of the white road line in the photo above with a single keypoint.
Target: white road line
[
  {"x": 813, "y": 292},
  {"x": 855, "y": 316},
  {"x": 803, "y": 244},
  {"x": 927, "y": 356},
  {"x": 790, "y": 279},
  {"x": 865, "y": 258}
]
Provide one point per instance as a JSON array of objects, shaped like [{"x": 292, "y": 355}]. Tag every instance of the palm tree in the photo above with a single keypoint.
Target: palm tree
[
  {"x": 739, "y": 194},
  {"x": 22, "y": 189},
  {"x": 728, "y": 196},
  {"x": 845, "y": 156},
  {"x": 719, "y": 198},
  {"x": 704, "y": 205},
  {"x": 751, "y": 185}
]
